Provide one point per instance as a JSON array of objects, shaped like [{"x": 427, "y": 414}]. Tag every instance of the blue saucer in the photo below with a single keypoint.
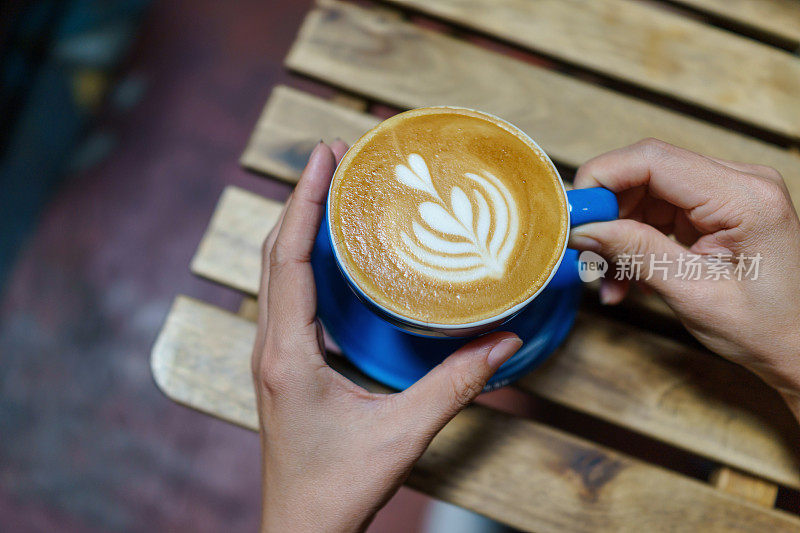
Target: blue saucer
[{"x": 398, "y": 359}]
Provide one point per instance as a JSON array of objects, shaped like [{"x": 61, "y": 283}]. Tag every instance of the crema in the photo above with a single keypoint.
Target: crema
[{"x": 447, "y": 215}]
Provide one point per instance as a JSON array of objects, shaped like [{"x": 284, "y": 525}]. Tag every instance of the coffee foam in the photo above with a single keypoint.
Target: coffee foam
[{"x": 447, "y": 215}]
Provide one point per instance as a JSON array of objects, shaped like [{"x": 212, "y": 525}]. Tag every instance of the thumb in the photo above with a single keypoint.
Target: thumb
[
  {"x": 449, "y": 387},
  {"x": 642, "y": 251}
]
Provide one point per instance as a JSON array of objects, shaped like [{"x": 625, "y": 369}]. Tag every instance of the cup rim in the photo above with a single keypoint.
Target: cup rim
[{"x": 500, "y": 317}]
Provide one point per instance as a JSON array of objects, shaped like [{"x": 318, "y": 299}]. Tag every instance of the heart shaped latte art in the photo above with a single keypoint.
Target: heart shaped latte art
[{"x": 465, "y": 237}]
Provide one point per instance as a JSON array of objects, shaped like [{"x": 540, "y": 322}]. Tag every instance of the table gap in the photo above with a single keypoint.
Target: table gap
[{"x": 788, "y": 500}]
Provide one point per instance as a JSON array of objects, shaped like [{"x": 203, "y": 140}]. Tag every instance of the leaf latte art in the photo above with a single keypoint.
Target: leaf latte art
[{"x": 476, "y": 230}]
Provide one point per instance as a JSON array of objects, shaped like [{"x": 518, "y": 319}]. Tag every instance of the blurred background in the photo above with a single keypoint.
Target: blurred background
[{"x": 120, "y": 123}]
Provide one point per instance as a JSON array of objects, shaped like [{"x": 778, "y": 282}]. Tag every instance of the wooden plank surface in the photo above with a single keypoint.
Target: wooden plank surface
[
  {"x": 780, "y": 18},
  {"x": 519, "y": 472},
  {"x": 642, "y": 381},
  {"x": 649, "y": 47},
  {"x": 231, "y": 249},
  {"x": 407, "y": 66}
]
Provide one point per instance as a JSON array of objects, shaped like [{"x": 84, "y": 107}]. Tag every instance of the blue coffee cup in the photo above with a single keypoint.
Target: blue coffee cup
[{"x": 397, "y": 350}]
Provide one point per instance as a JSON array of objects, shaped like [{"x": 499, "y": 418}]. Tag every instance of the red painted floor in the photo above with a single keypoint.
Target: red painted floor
[{"x": 87, "y": 442}]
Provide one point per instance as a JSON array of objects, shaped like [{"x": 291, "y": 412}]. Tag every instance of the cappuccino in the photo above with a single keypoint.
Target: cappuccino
[{"x": 447, "y": 216}]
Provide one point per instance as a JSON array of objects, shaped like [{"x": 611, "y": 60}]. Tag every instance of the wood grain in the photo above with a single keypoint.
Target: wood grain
[
  {"x": 516, "y": 471},
  {"x": 646, "y": 46},
  {"x": 642, "y": 381},
  {"x": 745, "y": 486},
  {"x": 780, "y": 18},
  {"x": 408, "y": 66}
]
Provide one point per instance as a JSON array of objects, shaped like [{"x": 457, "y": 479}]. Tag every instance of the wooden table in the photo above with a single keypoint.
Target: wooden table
[{"x": 581, "y": 77}]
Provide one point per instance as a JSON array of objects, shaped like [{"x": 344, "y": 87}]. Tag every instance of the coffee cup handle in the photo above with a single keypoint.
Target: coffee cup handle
[{"x": 585, "y": 205}]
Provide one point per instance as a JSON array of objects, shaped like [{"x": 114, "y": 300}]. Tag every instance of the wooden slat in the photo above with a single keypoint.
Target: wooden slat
[
  {"x": 649, "y": 47},
  {"x": 519, "y": 472},
  {"x": 642, "y": 381},
  {"x": 408, "y": 66},
  {"x": 231, "y": 249},
  {"x": 745, "y": 486},
  {"x": 780, "y": 18},
  {"x": 291, "y": 125}
]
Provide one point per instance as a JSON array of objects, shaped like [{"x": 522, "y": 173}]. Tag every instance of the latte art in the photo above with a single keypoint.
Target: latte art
[
  {"x": 447, "y": 216},
  {"x": 466, "y": 250}
]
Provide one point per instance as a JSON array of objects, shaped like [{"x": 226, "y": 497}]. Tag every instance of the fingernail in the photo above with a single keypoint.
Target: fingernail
[{"x": 502, "y": 351}]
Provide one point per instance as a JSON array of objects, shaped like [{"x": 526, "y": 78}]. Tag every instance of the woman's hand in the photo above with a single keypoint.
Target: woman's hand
[
  {"x": 712, "y": 208},
  {"x": 332, "y": 452}
]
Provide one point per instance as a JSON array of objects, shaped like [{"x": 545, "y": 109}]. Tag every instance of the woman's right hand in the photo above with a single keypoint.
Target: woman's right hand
[{"x": 712, "y": 208}]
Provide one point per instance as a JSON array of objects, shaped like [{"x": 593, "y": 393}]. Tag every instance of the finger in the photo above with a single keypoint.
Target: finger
[
  {"x": 751, "y": 168},
  {"x": 630, "y": 201},
  {"x": 298, "y": 231},
  {"x": 263, "y": 284},
  {"x": 444, "y": 391},
  {"x": 659, "y": 214},
  {"x": 683, "y": 178},
  {"x": 685, "y": 233},
  {"x": 266, "y": 250},
  {"x": 292, "y": 295},
  {"x": 640, "y": 249},
  {"x": 762, "y": 171}
]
